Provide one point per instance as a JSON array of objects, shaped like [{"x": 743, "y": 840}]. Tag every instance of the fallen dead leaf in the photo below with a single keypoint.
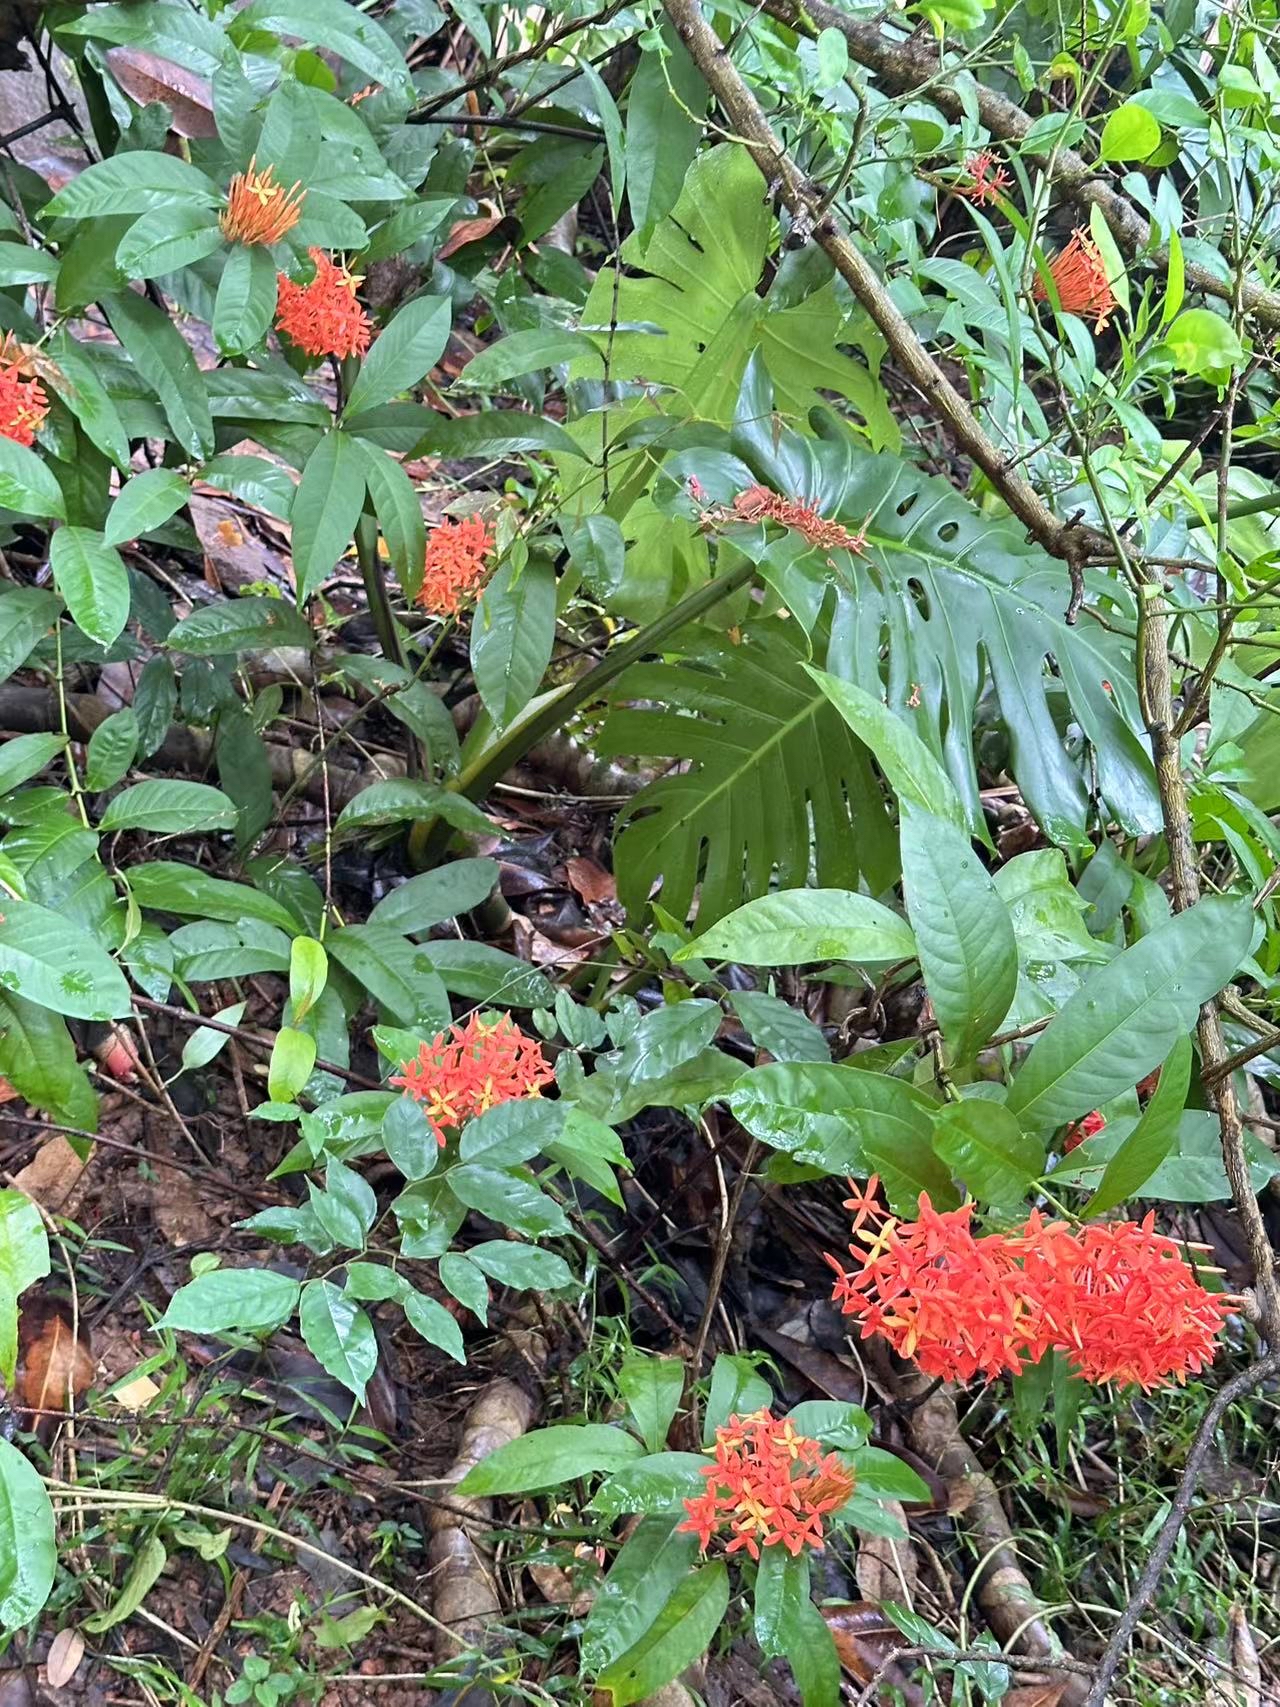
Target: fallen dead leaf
[
  {"x": 590, "y": 879},
  {"x": 149, "y": 78},
  {"x": 7, "y": 1092},
  {"x": 1033, "y": 1695},
  {"x": 54, "y": 1368},
  {"x": 65, "y": 1653},
  {"x": 52, "y": 1176},
  {"x": 466, "y": 231},
  {"x": 885, "y": 1567},
  {"x": 235, "y": 556},
  {"x": 866, "y": 1641},
  {"x": 1246, "y": 1667}
]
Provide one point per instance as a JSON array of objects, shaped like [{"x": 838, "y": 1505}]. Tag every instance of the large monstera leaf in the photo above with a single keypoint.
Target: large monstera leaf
[
  {"x": 776, "y": 784},
  {"x": 942, "y": 606}
]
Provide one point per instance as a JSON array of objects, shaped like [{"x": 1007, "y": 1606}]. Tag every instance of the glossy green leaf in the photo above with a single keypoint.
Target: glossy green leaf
[
  {"x": 326, "y": 507},
  {"x": 548, "y": 1457},
  {"x": 462, "y": 1280},
  {"x": 525, "y": 352},
  {"x": 168, "y": 239},
  {"x": 495, "y": 433},
  {"x": 93, "y": 580},
  {"x": 409, "y": 1139},
  {"x": 331, "y": 24},
  {"x": 27, "y": 485},
  {"x": 793, "y": 926},
  {"x": 664, "y": 113},
  {"x": 678, "y": 1635},
  {"x": 170, "y": 808},
  {"x": 396, "y": 973},
  {"x": 824, "y": 1115},
  {"x": 408, "y": 348},
  {"x": 984, "y": 1146},
  {"x": 775, "y": 1026},
  {"x": 25, "y": 756},
  {"x": 512, "y": 633},
  {"x": 1152, "y": 1138},
  {"x": 239, "y": 625},
  {"x": 246, "y": 299},
  {"x": 192, "y": 894},
  {"x": 145, "y": 502},
  {"x": 293, "y": 1056},
  {"x": 527, "y": 1268},
  {"x": 508, "y": 1199},
  {"x": 399, "y": 511},
  {"x": 164, "y": 359},
  {"x": 914, "y": 774},
  {"x": 24, "y": 1259},
  {"x": 28, "y": 1547},
  {"x": 1130, "y": 133},
  {"x": 653, "y": 1561},
  {"x": 652, "y": 1388},
  {"x": 659, "y": 1483},
  {"x": 225, "y": 1300},
  {"x": 144, "y": 1572},
  {"x": 49, "y": 959},
  {"x": 339, "y": 1335},
  {"x": 434, "y": 896},
  {"x": 405, "y": 801},
  {"x": 435, "y": 1324},
  {"x": 133, "y": 182}
]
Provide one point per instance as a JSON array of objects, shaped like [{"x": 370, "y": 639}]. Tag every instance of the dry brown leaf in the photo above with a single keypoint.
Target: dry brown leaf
[
  {"x": 235, "y": 556},
  {"x": 52, "y": 1175},
  {"x": 1033, "y": 1695},
  {"x": 1245, "y": 1684},
  {"x": 590, "y": 879},
  {"x": 65, "y": 1653},
  {"x": 7, "y": 1092},
  {"x": 866, "y": 1641},
  {"x": 53, "y": 1367},
  {"x": 885, "y": 1567},
  {"x": 466, "y": 231},
  {"x": 149, "y": 78}
]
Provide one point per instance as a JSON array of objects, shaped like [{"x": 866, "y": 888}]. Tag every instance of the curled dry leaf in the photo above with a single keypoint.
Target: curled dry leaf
[
  {"x": 54, "y": 1367},
  {"x": 866, "y": 1641},
  {"x": 65, "y": 1653},
  {"x": 467, "y": 231},
  {"x": 590, "y": 879}
]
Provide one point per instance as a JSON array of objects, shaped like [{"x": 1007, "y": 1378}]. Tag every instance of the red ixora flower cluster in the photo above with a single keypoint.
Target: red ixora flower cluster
[
  {"x": 456, "y": 563},
  {"x": 988, "y": 180},
  {"x": 770, "y": 1487},
  {"x": 471, "y": 1068},
  {"x": 1080, "y": 277},
  {"x": 23, "y": 404},
  {"x": 323, "y": 318},
  {"x": 1115, "y": 1297},
  {"x": 1081, "y": 1129},
  {"x": 758, "y": 504}
]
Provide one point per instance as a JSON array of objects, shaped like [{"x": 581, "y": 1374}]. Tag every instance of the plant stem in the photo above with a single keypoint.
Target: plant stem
[{"x": 375, "y": 586}]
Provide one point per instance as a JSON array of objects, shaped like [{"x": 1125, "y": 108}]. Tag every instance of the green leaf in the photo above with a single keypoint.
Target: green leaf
[
  {"x": 508, "y": 1199},
  {"x": 51, "y": 960},
  {"x": 192, "y": 894},
  {"x": 527, "y": 1268},
  {"x": 964, "y": 935},
  {"x": 652, "y": 1388},
  {"x": 511, "y": 1132},
  {"x": 20, "y": 265},
  {"x": 655, "y": 1484},
  {"x": 399, "y": 511},
  {"x": 164, "y": 359},
  {"x": 246, "y": 300},
  {"x": 665, "y": 105},
  {"x": 293, "y": 1057},
  {"x": 405, "y": 801},
  {"x": 463, "y": 1280},
  {"x": 1152, "y": 1138},
  {"x": 396, "y": 973},
  {"x": 737, "y": 1388},
  {"x": 984, "y": 1146},
  {"x": 1127, "y": 1016},
  {"x": 24, "y": 1259},
  {"x": 525, "y": 352},
  {"x": 88, "y": 399},
  {"x": 833, "y": 58},
  {"x": 27, "y": 485},
  {"x": 408, "y": 1138},
  {"x": 145, "y": 502},
  {"x": 240, "y": 625},
  {"x": 915, "y": 776},
  {"x": 26, "y": 616},
  {"x": 406, "y": 350},
  {"x": 436, "y": 1325},
  {"x": 679, "y": 1635},
  {"x": 548, "y": 1457},
  {"x": 1130, "y": 133},
  {"x": 28, "y": 1547},
  {"x": 495, "y": 433},
  {"x": 512, "y": 633},
  {"x": 774, "y": 1025},
  {"x": 793, "y": 926},
  {"x": 226, "y": 1300},
  {"x": 170, "y": 808},
  {"x": 667, "y": 1038},
  {"x": 326, "y": 508},
  {"x": 824, "y": 1115},
  {"x": 339, "y": 1335},
  {"x": 358, "y": 39},
  {"x": 93, "y": 580},
  {"x": 435, "y": 896},
  {"x": 166, "y": 240},
  {"x": 38, "y": 1058},
  {"x": 134, "y": 182},
  {"x": 25, "y": 756},
  {"x": 775, "y": 783},
  {"x": 489, "y": 974},
  {"x": 144, "y": 1572},
  {"x": 308, "y": 972},
  {"x": 782, "y": 1589},
  {"x": 1192, "y": 1172},
  {"x": 1202, "y": 342},
  {"x": 653, "y": 1561},
  {"x": 884, "y": 1475},
  {"x": 206, "y": 1043},
  {"x": 112, "y": 748}
]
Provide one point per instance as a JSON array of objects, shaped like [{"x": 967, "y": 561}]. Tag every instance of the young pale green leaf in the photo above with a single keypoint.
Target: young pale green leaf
[
  {"x": 93, "y": 580},
  {"x": 1130, "y": 133},
  {"x": 964, "y": 935},
  {"x": 166, "y": 240},
  {"x": 246, "y": 299},
  {"x": 52, "y": 960},
  {"x": 133, "y": 182},
  {"x": 793, "y": 926},
  {"x": 25, "y": 756},
  {"x": 207, "y": 1042},
  {"x": 293, "y": 1056},
  {"x": 824, "y": 1115},
  {"x": 409, "y": 348},
  {"x": 548, "y": 1457},
  {"x": 1127, "y": 1015},
  {"x": 512, "y": 633},
  {"x": 1152, "y": 1138},
  {"x": 916, "y": 777},
  {"x": 326, "y": 508},
  {"x": 24, "y": 1259},
  {"x": 652, "y": 1388},
  {"x": 27, "y": 485},
  {"x": 1204, "y": 342},
  {"x": 339, "y": 1335},
  {"x": 28, "y": 1545},
  {"x": 232, "y": 1300},
  {"x": 984, "y": 1146},
  {"x": 145, "y": 502},
  {"x": 308, "y": 972},
  {"x": 239, "y": 625},
  {"x": 678, "y": 1635},
  {"x": 170, "y": 808}
]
